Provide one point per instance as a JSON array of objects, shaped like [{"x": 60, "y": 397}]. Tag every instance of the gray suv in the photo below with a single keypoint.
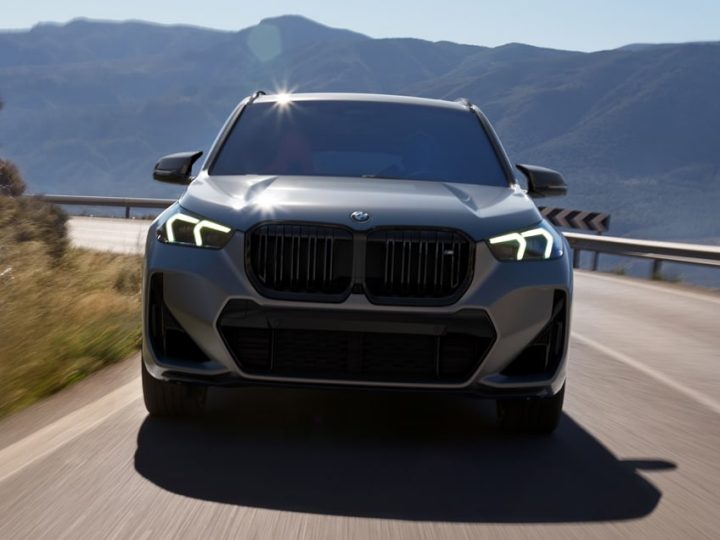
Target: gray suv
[{"x": 357, "y": 240}]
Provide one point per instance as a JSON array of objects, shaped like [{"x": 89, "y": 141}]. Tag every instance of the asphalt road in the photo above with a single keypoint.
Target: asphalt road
[
  {"x": 636, "y": 454},
  {"x": 109, "y": 234}
]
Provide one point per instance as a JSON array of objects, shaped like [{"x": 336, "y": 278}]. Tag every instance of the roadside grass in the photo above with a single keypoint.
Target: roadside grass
[{"x": 62, "y": 317}]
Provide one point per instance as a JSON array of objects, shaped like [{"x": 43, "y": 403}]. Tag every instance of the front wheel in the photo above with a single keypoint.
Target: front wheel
[
  {"x": 170, "y": 398},
  {"x": 536, "y": 416}
]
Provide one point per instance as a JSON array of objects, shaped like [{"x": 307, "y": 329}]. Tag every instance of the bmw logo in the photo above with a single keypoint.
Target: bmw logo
[{"x": 360, "y": 216}]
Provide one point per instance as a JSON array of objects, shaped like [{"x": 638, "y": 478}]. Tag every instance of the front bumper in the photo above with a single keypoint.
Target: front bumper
[{"x": 509, "y": 305}]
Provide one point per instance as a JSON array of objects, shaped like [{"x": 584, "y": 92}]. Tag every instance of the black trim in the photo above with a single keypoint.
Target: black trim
[
  {"x": 334, "y": 298},
  {"x": 227, "y": 129},
  {"x": 364, "y": 346},
  {"x": 358, "y": 280},
  {"x": 496, "y": 144},
  {"x": 542, "y": 356},
  {"x": 169, "y": 341},
  {"x": 476, "y": 391},
  {"x": 426, "y": 301},
  {"x": 176, "y": 168}
]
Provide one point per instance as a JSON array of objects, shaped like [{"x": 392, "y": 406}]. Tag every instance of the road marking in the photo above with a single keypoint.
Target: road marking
[
  {"x": 638, "y": 283},
  {"x": 699, "y": 397},
  {"x": 23, "y": 453}
]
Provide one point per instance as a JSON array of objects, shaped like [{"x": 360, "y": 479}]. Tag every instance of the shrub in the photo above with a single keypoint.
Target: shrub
[
  {"x": 31, "y": 220},
  {"x": 11, "y": 182}
]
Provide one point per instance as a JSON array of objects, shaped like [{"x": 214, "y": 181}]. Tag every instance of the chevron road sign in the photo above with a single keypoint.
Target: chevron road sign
[{"x": 577, "y": 219}]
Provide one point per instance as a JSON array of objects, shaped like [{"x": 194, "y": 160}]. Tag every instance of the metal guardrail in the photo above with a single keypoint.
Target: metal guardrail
[
  {"x": 598, "y": 222},
  {"x": 121, "y": 202},
  {"x": 656, "y": 251}
]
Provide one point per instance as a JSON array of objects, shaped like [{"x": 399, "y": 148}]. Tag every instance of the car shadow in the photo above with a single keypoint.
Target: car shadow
[{"x": 384, "y": 455}]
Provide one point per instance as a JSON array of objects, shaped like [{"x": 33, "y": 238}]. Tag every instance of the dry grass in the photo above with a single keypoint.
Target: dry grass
[{"x": 62, "y": 318}]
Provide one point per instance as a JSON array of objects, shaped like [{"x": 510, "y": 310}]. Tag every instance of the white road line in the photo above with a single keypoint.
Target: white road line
[
  {"x": 649, "y": 286},
  {"x": 699, "y": 397},
  {"x": 19, "y": 455}
]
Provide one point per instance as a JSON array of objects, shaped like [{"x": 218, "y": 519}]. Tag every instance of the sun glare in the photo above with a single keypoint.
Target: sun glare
[{"x": 284, "y": 99}]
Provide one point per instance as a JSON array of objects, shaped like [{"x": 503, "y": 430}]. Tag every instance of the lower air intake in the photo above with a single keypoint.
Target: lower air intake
[{"x": 321, "y": 354}]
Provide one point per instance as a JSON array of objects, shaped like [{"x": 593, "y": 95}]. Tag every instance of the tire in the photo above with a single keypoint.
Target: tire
[
  {"x": 533, "y": 416},
  {"x": 170, "y": 398}
]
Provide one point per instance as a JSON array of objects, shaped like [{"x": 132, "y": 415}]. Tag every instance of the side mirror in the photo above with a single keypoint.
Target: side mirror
[
  {"x": 176, "y": 168},
  {"x": 543, "y": 182}
]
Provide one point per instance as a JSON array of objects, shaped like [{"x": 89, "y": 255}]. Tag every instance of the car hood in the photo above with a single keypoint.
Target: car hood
[{"x": 242, "y": 201}]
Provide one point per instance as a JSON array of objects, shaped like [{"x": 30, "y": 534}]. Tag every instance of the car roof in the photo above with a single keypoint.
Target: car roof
[{"x": 360, "y": 97}]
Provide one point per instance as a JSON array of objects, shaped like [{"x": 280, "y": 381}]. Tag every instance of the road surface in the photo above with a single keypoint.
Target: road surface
[
  {"x": 637, "y": 454},
  {"x": 109, "y": 234}
]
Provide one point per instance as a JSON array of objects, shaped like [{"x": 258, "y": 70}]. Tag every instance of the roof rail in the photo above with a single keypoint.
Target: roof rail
[
  {"x": 256, "y": 95},
  {"x": 465, "y": 102}
]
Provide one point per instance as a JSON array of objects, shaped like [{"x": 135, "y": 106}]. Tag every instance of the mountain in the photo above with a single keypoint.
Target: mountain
[{"x": 91, "y": 105}]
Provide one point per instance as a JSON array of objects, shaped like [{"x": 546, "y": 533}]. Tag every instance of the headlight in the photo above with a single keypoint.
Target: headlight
[
  {"x": 187, "y": 229},
  {"x": 540, "y": 243}
]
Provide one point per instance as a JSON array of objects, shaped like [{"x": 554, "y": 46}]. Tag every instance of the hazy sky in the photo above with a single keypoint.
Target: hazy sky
[{"x": 567, "y": 24}]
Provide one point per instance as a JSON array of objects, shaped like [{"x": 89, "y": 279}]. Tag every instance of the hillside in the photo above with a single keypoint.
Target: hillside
[{"x": 91, "y": 105}]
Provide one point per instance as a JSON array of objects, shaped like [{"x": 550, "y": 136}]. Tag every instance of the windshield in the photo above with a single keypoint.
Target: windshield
[{"x": 360, "y": 139}]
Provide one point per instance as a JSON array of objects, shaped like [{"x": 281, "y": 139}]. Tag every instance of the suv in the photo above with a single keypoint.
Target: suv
[{"x": 357, "y": 240}]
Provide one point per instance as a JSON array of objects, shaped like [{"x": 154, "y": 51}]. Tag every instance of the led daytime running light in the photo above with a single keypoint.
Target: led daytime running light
[
  {"x": 197, "y": 230},
  {"x": 177, "y": 217},
  {"x": 205, "y": 224},
  {"x": 512, "y": 237},
  {"x": 520, "y": 240}
]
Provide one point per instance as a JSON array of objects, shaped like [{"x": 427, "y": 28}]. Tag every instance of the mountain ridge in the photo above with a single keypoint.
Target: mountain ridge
[{"x": 632, "y": 128}]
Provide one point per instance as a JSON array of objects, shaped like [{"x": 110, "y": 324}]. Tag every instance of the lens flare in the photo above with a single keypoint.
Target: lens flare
[{"x": 284, "y": 99}]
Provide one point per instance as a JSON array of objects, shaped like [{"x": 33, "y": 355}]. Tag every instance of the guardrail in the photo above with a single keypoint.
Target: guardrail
[
  {"x": 118, "y": 202},
  {"x": 656, "y": 251}
]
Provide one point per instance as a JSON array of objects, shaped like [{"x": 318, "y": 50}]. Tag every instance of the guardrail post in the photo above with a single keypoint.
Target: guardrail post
[
  {"x": 127, "y": 212},
  {"x": 657, "y": 264},
  {"x": 596, "y": 256},
  {"x": 576, "y": 258}
]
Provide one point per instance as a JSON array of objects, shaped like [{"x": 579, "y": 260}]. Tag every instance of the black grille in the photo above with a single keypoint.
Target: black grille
[
  {"x": 365, "y": 356},
  {"x": 417, "y": 264},
  {"x": 288, "y": 260},
  {"x": 392, "y": 266}
]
